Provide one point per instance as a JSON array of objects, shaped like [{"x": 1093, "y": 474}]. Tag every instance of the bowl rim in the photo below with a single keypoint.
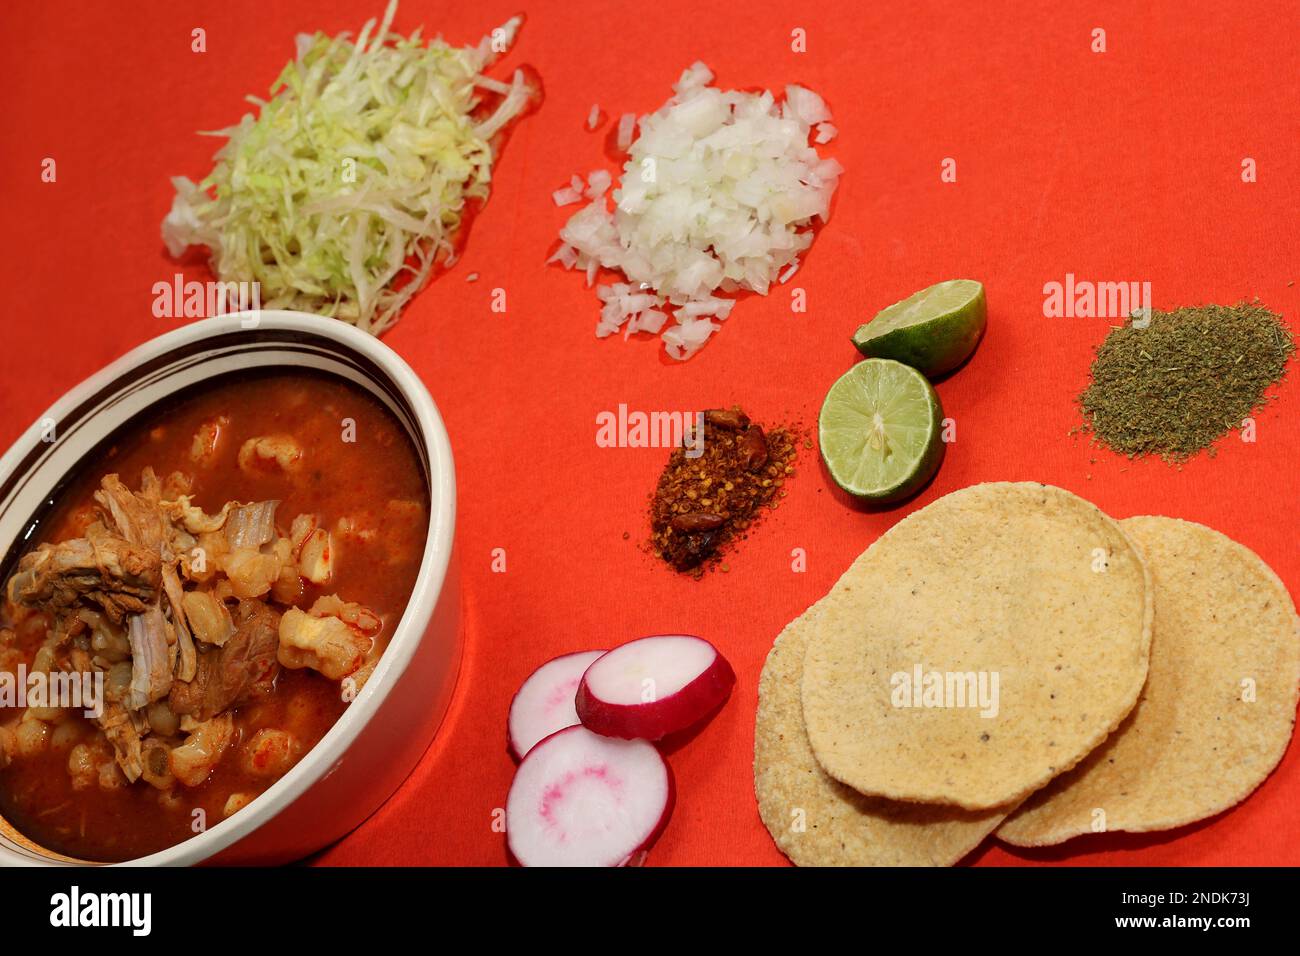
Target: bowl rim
[{"x": 322, "y": 759}]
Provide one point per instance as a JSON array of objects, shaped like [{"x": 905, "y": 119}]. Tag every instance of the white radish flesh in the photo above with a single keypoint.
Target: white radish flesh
[
  {"x": 580, "y": 799},
  {"x": 653, "y": 686},
  {"x": 544, "y": 703}
]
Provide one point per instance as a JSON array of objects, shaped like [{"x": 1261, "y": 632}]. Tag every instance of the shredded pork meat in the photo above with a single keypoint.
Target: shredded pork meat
[
  {"x": 176, "y": 608},
  {"x": 241, "y": 670},
  {"x": 100, "y": 568},
  {"x": 152, "y": 657}
]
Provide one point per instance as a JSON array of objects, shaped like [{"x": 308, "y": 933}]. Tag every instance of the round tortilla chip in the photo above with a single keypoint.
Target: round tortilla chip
[
  {"x": 1193, "y": 746},
  {"x": 817, "y": 821},
  {"x": 1024, "y": 611}
]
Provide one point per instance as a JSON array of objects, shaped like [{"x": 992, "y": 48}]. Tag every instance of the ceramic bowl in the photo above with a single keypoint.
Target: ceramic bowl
[{"x": 377, "y": 741}]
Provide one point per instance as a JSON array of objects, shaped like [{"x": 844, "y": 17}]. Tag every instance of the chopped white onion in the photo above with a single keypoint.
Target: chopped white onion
[
  {"x": 626, "y": 130},
  {"x": 567, "y": 196},
  {"x": 806, "y": 105},
  {"x": 597, "y": 183},
  {"x": 718, "y": 194}
]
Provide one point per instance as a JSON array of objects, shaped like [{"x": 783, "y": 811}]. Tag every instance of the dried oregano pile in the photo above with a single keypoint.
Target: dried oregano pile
[{"x": 1173, "y": 387}]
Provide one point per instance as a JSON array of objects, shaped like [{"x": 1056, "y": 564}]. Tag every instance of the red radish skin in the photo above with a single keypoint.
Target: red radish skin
[
  {"x": 544, "y": 702},
  {"x": 653, "y": 686},
  {"x": 580, "y": 799}
]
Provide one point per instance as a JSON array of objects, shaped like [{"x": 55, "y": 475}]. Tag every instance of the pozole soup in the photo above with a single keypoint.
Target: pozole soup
[{"x": 218, "y": 582}]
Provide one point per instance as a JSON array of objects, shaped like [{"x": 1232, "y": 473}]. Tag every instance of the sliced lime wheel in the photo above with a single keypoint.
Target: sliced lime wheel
[
  {"x": 933, "y": 330},
  {"x": 880, "y": 431}
]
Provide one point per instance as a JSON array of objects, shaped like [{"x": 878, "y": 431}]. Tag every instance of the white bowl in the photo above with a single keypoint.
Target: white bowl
[{"x": 378, "y": 740}]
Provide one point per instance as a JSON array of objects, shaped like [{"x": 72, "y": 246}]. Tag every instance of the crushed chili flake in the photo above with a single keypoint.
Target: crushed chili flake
[{"x": 702, "y": 505}]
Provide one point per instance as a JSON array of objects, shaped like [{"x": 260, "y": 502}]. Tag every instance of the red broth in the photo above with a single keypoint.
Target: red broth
[{"x": 374, "y": 481}]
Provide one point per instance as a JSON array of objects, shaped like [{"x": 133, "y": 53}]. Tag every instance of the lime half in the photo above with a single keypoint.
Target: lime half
[
  {"x": 934, "y": 330},
  {"x": 880, "y": 431}
]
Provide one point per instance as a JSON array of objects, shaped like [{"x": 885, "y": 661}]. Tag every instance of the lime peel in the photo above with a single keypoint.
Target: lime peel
[{"x": 933, "y": 330}]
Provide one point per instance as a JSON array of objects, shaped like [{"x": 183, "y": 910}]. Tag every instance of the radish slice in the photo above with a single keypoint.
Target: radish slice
[
  {"x": 653, "y": 686},
  {"x": 579, "y": 799},
  {"x": 544, "y": 704}
]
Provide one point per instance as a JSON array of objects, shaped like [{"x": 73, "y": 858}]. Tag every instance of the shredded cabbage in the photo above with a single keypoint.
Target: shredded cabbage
[
  {"x": 348, "y": 186},
  {"x": 718, "y": 194}
]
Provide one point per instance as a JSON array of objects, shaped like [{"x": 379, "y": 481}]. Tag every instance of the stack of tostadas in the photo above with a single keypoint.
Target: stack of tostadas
[{"x": 1011, "y": 659}]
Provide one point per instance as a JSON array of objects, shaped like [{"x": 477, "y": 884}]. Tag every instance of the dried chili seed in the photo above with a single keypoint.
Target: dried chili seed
[
  {"x": 730, "y": 418},
  {"x": 700, "y": 521},
  {"x": 753, "y": 446}
]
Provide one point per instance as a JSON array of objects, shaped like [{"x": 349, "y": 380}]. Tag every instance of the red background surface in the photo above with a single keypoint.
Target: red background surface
[{"x": 1117, "y": 166}]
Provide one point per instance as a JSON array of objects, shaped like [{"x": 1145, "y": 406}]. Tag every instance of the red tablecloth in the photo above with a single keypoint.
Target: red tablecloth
[{"x": 1123, "y": 165}]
